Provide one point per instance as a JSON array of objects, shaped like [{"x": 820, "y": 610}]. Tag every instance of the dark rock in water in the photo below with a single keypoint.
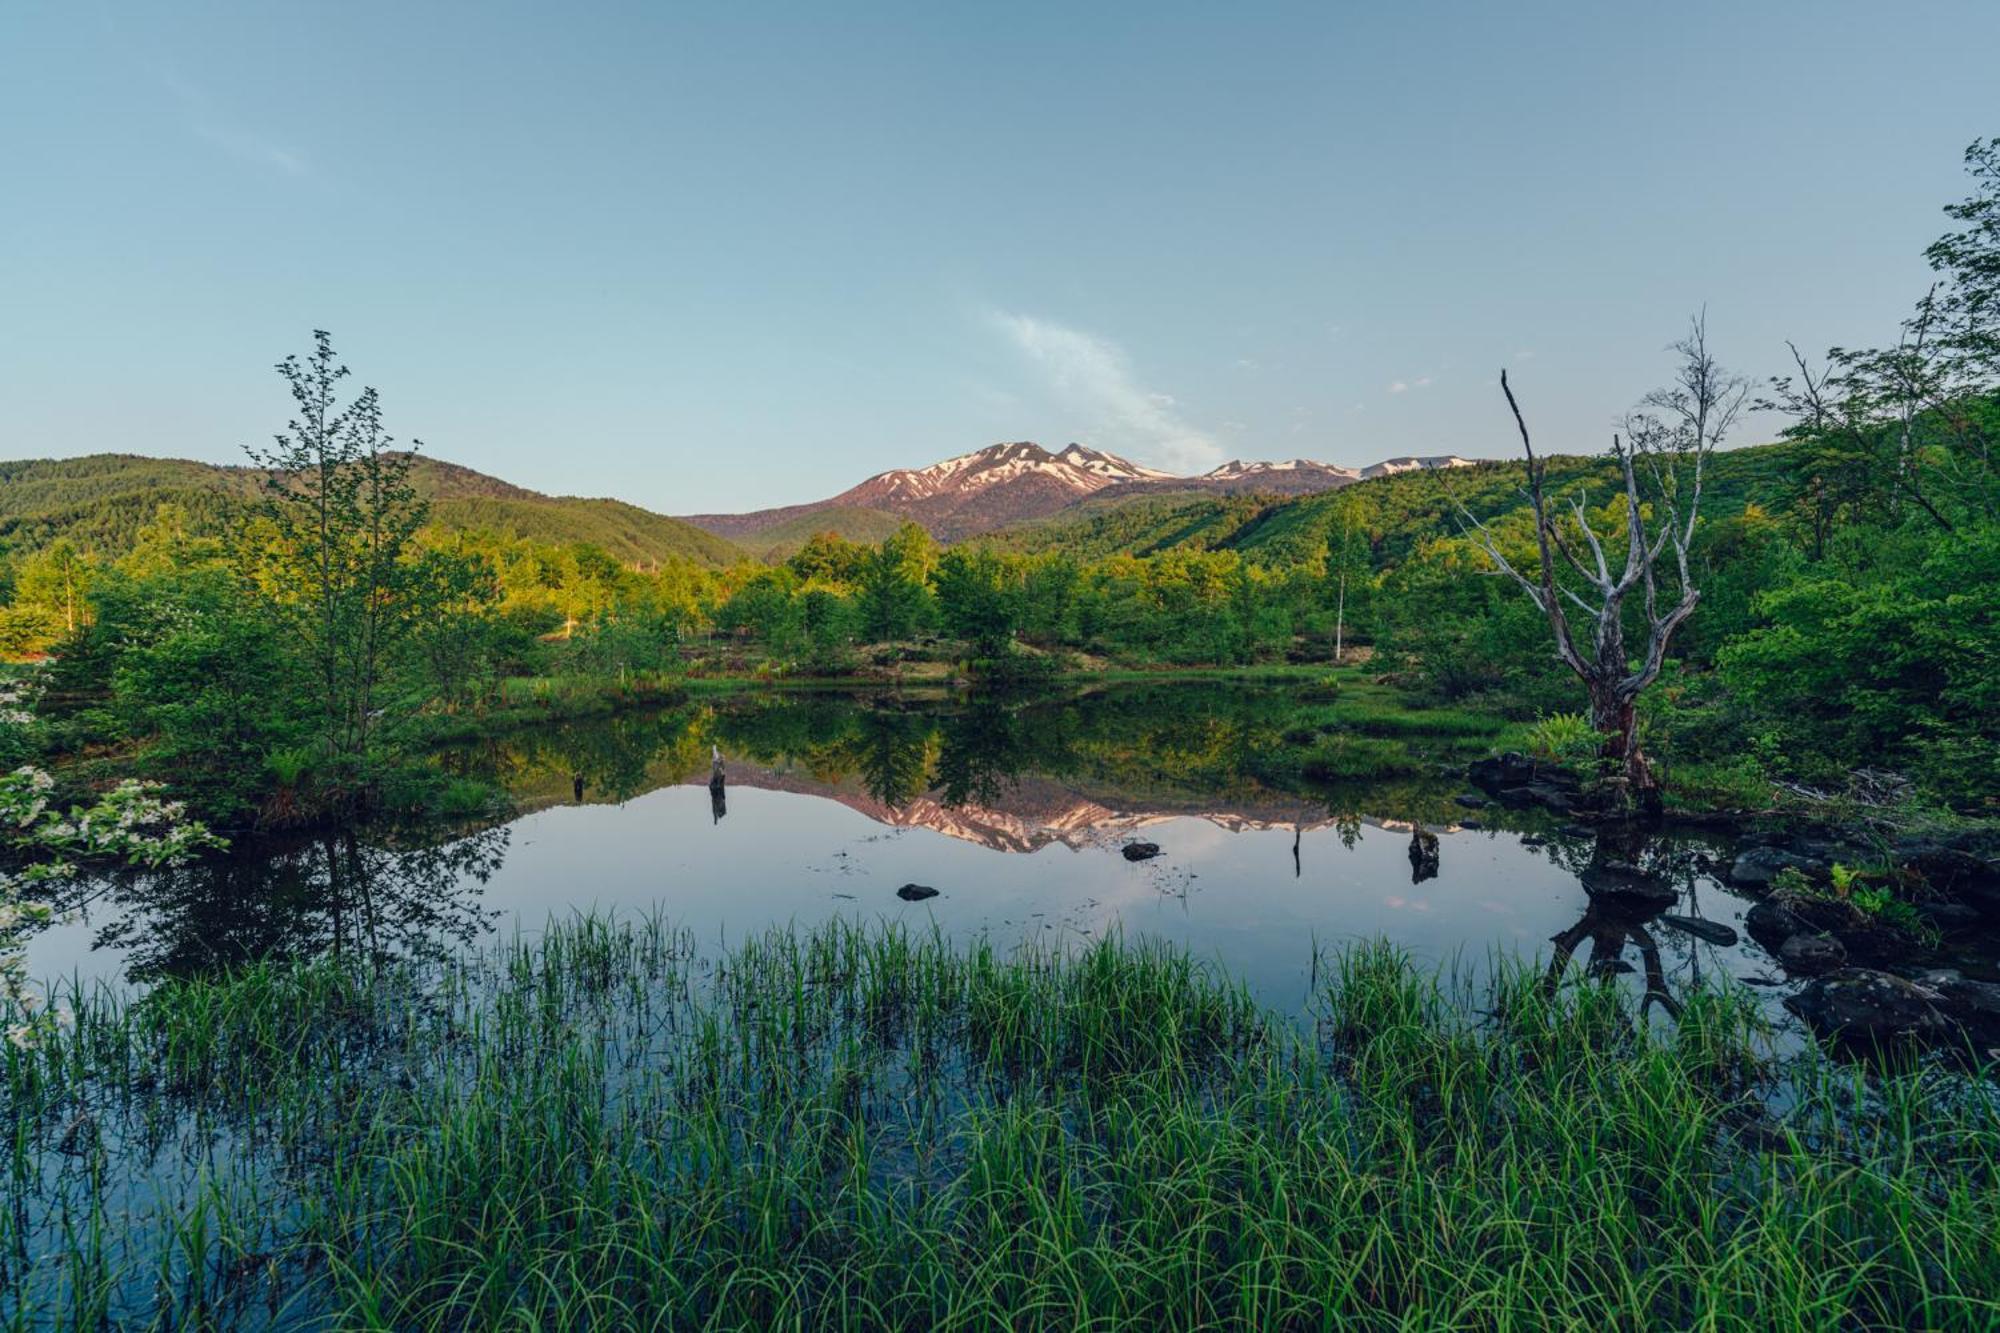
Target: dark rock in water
[
  {"x": 1423, "y": 855},
  {"x": 1534, "y": 840},
  {"x": 1975, "y": 1007},
  {"x": 1622, "y": 884},
  {"x": 1141, "y": 851},
  {"x": 1577, "y": 831},
  {"x": 1947, "y": 865},
  {"x": 1759, "y": 866},
  {"x": 1471, "y": 802},
  {"x": 1872, "y": 944},
  {"x": 916, "y": 893},
  {"x": 1471, "y": 825},
  {"x": 1555, "y": 798},
  {"x": 1982, "y": 898},
  {"x": 1811, "y": 954},
  {"x": 1506, "y": 774},
  {"x": 1860, "y": 1004},
  {"x": 1712, "y": 931},
  {"x": 1949, "y": 918},
  {"x": 1771, "y": 924}
]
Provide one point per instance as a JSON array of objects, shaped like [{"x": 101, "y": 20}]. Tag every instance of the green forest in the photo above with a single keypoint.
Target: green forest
[{"x": 196, "y": 622}]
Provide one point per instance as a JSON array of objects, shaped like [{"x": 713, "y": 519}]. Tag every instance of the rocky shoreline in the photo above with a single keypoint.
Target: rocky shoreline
[{"x": 1860, "y": 920}]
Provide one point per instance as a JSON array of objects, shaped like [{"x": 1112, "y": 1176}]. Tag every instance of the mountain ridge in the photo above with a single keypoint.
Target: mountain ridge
[
  {"x": 100, "y": 501},
  {"x": 970, "y": 494}
]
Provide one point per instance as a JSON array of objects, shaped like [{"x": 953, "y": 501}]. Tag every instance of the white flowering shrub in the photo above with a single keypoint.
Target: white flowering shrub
[
  {"x": 16, "y": 700},
  {"x": 41, "y": 844}
]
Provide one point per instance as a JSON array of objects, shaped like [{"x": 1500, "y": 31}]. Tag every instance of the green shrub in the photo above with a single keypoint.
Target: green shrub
[{"x": 1564, "y": 738}]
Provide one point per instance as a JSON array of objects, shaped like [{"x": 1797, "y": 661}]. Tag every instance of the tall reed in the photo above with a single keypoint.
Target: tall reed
[{"x": 863, "y": 1127}]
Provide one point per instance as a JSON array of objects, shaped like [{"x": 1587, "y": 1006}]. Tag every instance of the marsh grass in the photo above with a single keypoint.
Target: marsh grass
[{"x": 862, "y": 1127}]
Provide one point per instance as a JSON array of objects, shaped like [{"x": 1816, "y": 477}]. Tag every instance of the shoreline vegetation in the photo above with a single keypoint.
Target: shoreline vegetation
[{"x": 861, "y": 1126}]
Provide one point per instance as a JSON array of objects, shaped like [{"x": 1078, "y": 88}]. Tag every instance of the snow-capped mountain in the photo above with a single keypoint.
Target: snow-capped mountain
[
  {"x": 1075, "y": 468},
  {"x": 1389, "y": 467},
  {"x": 1007, "y": 483}
]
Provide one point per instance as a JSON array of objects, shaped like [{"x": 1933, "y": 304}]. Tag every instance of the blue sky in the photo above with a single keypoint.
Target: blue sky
[{"x": 723, "y": 256}]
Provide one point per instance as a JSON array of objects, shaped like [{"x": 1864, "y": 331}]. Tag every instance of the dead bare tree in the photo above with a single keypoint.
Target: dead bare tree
[{"x": 1661, "y": 454}]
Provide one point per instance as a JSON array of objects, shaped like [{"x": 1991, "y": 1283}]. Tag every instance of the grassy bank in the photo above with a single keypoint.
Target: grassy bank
[{"x": 858, "y": 1127}]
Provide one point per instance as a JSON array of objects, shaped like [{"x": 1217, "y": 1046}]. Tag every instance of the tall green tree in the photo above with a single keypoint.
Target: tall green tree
[
  {"x": 57, "y": 580},
  {"x": 979, "y": 600},
  {"x": 1346, "y": 561},
  {"x": 891, "y": 596},
  {"x": 338, "y": 513}
]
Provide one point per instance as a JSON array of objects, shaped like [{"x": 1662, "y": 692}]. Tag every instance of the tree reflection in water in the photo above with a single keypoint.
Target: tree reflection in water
[
  {"x": 1609, "y": 931},
  {"x": 335, "y": 892},
  {"x": 1610, "y": 925}
]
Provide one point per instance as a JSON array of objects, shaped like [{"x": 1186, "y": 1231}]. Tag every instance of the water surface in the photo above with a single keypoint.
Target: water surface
[{"x": 1015, "y": 811}]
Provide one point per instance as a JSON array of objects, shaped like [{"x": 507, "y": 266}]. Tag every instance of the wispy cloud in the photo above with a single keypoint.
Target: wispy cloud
[
  {"x": 209, "y": 124},
  {"x": 1404, "y": 386},
  {"x": 1093, "y": 374},
  {"x": 254, "y": 150}
]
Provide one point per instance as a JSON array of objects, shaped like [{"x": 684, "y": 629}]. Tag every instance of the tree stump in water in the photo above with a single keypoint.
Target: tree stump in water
[
  {"x": 718, "y": 800},
  {"x": 1423, "y": 855}
]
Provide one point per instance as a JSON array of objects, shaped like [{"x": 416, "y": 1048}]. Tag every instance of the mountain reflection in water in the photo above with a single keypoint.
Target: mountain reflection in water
[{"x": 1014, "y": 809}]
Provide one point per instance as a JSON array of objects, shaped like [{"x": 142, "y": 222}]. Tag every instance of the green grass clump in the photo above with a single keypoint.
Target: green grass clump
[
  {"x": 860, "y": 1127},
  {"x": 1347, "y": 758},
  {"x": 1732, "y": 784},
  {"x": 1449, "y": 723}
]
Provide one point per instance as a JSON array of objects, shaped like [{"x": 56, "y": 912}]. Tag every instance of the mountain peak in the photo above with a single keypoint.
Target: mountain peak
[
  {"x": 1008, "y": 482},
  {"x": 1077, "y": 470}
]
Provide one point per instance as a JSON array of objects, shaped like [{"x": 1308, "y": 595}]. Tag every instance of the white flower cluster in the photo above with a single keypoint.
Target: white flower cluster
[
  {"x": 17, "y": 697},
  {"x": 132, "y": 823}
]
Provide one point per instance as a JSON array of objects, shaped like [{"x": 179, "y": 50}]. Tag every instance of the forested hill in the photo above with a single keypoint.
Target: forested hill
[
  {"x": 1397, "y": 511},
  {"x": 101, "y": 501}
]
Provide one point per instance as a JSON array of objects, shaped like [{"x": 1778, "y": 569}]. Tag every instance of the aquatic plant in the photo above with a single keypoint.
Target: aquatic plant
[{"x": 862, "y": 1126}]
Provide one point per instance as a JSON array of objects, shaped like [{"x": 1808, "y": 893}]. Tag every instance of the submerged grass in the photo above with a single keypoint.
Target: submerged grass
[{"x": 862, "y": 1127}]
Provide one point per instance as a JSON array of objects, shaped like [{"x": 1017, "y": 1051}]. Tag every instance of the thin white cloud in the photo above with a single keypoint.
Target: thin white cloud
[
  {"x": 251, "y": 149},
  {"x": 1404, "y": 386},
  {"x": 1093, "y": 375},
  {"x": 211, "y": 126}
]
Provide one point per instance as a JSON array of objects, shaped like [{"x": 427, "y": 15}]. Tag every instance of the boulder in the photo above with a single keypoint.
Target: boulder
[
  {"x": 1975, "y": 1007},
  {"x": 1862, "y": 1005},
  {"x": 1624, "y": 885},
  {"x": 1471, "y": 802},
  {"x": 1771, "y": 924},
  {"x": 1945, "y": 865},
  {"x": 1872, "y": 943},
  {"x": 916, "y": 893},
  {"x": 1949, "y": 918},
  {"x": 1759, "y": 866},
  {"x": 1559, "y": 799},
  {"x": 1141, "y": 851},
  {"x": 1812, "y": 953},
  {"x": 1498, "y": 773},
  {"x": 1712, "y": 931}
]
